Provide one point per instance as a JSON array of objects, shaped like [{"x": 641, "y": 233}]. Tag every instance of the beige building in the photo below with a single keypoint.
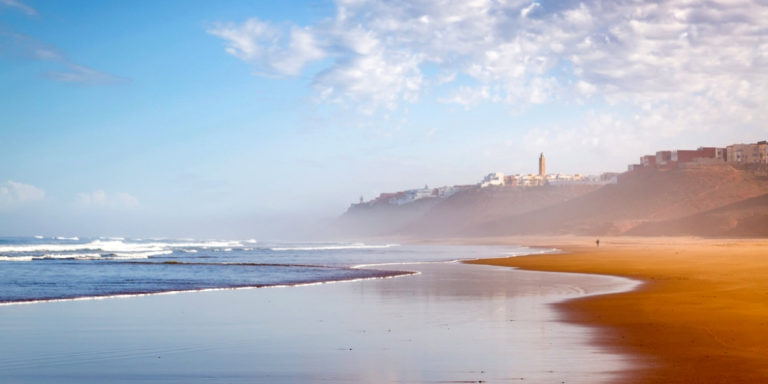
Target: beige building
[{"x": 748, "y": 153}]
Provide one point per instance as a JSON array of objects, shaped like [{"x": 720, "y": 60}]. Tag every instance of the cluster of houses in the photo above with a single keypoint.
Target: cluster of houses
[
  {"x": 543, "y": 178},
  {"x": 411, "y": 195},
  {"x": 756, "y": 153},
  {"x": 494, "y": 179},
  {"x": 531, "y": 180}
]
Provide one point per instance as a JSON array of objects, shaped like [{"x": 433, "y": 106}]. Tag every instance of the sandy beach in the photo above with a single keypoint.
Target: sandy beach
[
  {"x": 700, "y": 317},
  {"x": 451, "y": 323}
]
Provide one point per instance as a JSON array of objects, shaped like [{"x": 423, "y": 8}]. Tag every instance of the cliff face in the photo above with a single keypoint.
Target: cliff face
[{"x": 714, "y": 200}]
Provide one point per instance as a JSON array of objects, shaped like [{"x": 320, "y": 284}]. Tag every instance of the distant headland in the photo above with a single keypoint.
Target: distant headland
[{"x": 709, "y": 191}]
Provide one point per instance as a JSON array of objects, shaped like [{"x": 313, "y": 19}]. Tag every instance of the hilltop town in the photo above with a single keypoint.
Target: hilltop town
[
  {"x": 736, "y": 154},
  {"x": 662, "y": 194},
  {"x": 493, "y": 179},
  {"x": 756, "y": 153}
]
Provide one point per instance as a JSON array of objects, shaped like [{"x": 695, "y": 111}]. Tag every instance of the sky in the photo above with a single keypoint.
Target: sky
[{"x": 244, "y": 119}]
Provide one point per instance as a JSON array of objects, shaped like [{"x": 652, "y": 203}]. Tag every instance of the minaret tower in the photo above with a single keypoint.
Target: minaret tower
[{"x": 542, "y": 165}]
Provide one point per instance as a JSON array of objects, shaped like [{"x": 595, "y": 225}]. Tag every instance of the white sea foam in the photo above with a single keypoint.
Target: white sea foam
[
  {"x": 99, "y": 256},
  {"x": 39, "y": 237},
  {"x": 116, "y": 246},
  {"x": 73, "y": 238},
  {"x": 76, "y": 256},
  {"x": 109, "y": 249},
  {"x": 208, "y": 244},
  {"x": 97, "y": 245},
  {"x": 334, "y": 247},
  {"x": 137, "y": 255},
  {"x": 196, "y": 244},
  {"x": 15, "y": 258}
]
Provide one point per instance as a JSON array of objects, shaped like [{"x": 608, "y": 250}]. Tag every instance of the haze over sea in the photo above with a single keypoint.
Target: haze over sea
[{"x": 50, "y": 268}]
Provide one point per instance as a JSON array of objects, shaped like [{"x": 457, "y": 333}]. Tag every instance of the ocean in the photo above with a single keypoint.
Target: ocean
[
  {"x": 444, "y": 322},
  {"x": 39, "y": 268}
]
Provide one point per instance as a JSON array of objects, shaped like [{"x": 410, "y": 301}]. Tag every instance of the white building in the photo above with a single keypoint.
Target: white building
[
  {"x": 493, "y": 179},
  {"x": 447, "y": 191},
  {"x": 563, "y": 179},
  {"x": 412, "y": 195}
]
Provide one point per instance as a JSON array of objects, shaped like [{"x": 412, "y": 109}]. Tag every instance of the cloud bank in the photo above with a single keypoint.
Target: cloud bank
[
  {"x": 680, "y": 65},
  {"x": 13, "y": 193}
]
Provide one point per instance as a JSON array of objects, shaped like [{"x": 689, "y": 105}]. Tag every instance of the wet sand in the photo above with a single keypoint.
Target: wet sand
[
  {"x": 700, "y": 317},
  {"x": 452, "y": 322}
]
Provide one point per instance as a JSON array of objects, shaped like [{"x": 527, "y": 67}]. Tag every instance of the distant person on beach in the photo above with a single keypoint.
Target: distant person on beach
[{"x": 597, "y": 242}]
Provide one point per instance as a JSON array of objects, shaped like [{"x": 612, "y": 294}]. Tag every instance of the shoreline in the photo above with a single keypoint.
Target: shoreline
[
  {"x": 388, "y": 275},
  {"x": 381, "y": 270},
  {"x": 449, "y": 323},
  {"x": 699, "y": 316}
]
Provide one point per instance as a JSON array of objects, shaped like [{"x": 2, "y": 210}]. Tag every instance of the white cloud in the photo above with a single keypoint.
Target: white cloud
[
  {"x": 13, "y": 193},
  {"x": 265, "y": 46},
  {"x": 20, "y": 6},
  {"x": 530, "y": 8},
  {"x": 100, "y": 199},
  {"x": 682, "y": 66},
  {"x": 79, "y": 74},
  {"x": 246, "y": 42},
  {"x": 127, "y": 200},
  {"x": 96, "y": 198},
  {"x": 69, "y": 72},
  {"x": 585, "y": 88},
  {"x": 469, "y": 96},
  {"x": 373, "y": 80}
]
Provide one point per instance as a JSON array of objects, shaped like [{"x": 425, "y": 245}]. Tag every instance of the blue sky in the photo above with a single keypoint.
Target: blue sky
[{"x": 221, "y": 119}]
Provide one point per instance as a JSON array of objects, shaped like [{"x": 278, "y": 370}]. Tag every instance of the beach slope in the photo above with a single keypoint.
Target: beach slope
[{"x": 700, "y": 317}]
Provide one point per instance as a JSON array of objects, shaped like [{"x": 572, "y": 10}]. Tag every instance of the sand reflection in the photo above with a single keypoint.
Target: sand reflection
[{"x": 451, "y": 323}]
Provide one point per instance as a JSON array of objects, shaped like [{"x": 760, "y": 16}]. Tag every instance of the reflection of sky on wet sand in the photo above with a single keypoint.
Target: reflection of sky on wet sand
[{"x": 454, "y": 322}]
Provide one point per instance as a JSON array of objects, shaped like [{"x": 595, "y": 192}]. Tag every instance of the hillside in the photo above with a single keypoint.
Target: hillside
[
  {"x": 747, "y": 218},
  {"x": 649, "y": 196},
  {"x": 380, "y": 219},
  {"x": 712, "y": 200},
  {"x": 464, "y": 212}
]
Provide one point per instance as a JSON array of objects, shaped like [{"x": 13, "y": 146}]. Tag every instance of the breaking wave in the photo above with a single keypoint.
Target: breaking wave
[
  {"x": 73, "y": 256},
  {"x": 113, "y": 246},
  {"x": 107, "y": 249},
  {"x": 15, "y": 258}
]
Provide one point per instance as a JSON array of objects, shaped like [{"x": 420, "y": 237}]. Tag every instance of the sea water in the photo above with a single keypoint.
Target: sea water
[
  {"x": 54, "y": 268},
  {"x": 444, "y": 323}
]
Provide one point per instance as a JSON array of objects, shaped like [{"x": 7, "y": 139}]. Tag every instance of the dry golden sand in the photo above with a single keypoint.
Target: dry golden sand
[{"x": 701, "y": 316}]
